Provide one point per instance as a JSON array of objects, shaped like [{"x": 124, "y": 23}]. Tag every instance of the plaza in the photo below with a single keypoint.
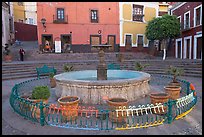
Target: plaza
[{"x": 118, "y": 80}]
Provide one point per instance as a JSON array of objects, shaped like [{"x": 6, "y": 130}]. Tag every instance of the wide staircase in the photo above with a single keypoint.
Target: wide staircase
[{"x": 26, "y": 69}]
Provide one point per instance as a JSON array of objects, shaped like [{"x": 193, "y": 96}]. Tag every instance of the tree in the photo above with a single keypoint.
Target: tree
[{"x": 163, "y": 29}]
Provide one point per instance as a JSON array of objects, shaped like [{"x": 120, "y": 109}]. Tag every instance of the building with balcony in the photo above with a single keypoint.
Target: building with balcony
[
  {"x": 189, "y": 44},
  {"x": 134, "y": 17},
  {"x": 78, "y": 24}
]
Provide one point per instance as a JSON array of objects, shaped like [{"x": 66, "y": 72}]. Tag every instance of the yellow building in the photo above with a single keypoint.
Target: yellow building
[
  {"x": 163, "y": 8},
  {"x": 19, "y": 12},
  {"x": 134, "y": 17}
]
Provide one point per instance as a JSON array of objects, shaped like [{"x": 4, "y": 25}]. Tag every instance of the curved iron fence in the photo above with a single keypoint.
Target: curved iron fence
[{"x": 99, "y": 118}]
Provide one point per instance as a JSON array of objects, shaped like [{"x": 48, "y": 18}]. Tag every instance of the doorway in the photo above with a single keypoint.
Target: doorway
[
  {"x": 128, "y": 42},
  {"x": 111, "y": 41},
  {"x": 179, "y": 48},
  {"x": 47, "y": 39},
  {"x": 66, "y": 42}
]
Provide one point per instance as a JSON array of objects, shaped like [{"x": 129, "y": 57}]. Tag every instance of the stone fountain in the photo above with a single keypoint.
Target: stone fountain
[{"x": 92, "y": 85}]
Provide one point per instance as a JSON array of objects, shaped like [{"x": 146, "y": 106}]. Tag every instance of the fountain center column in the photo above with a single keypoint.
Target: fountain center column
[{"x": 102, "y": 68}]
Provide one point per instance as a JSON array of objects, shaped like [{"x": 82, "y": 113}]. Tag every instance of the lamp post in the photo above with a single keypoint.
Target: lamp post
[{"x": 43, "y": 21}]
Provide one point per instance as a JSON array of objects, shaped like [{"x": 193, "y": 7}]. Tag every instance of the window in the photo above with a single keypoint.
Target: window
[
  {"x": 137, "y": 13},
  {"x": 140, "y": 41},
  {"x": 30, "y": 21},
  {"x": 187, "y": 20},
  {"x": 198, "y": 16},
  {"x": 20, "y": 3},
  {"x": 94, "y": 16},
  {"x": 60, "y": 14},
  {"x": 11, "y": 25}
]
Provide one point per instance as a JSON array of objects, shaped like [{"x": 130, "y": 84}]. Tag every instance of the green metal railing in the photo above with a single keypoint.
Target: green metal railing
[{"x": 91, "y": 118}]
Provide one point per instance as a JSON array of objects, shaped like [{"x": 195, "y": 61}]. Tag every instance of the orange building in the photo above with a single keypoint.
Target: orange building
[{"x": 79, "y": 24}]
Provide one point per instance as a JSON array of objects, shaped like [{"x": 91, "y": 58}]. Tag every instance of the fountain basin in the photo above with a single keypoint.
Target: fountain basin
[{"x": 127, "y": 84}]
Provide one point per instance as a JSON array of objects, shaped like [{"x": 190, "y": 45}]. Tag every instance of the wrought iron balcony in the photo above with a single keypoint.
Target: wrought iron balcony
[{"x": 60, "y": 21}]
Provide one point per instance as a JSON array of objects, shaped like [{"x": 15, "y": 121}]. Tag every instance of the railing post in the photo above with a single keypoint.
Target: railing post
[
  {"x": 188, "y": 88},
  {"x": 169, "y": 113},
  {"x": 42, "y": 118}
]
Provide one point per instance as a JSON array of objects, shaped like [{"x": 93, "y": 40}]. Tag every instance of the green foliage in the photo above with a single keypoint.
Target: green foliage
[
  {"x": 139, "y": 66},
  {"x": 175, "y": 72},
  {"x": 51, "y": 75},
  {"x": 163, "y": 27},
  {"x": 41, "y": 92},
  {"x": 68, "y": 68}
]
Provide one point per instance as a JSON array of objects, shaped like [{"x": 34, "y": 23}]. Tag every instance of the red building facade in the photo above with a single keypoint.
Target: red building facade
[
  {"x": 79, "y": 24},
  {"x": 189, "y": 44}
]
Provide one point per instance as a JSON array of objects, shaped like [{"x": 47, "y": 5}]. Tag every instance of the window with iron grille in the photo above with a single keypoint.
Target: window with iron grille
[
  {"x": 198, "y": 16},
  {"x": 60, "y": 14},
  {"x": 137, "y": 13},
  {"x": 94, "y": 16},
  {"x": 187, "y": 21}
]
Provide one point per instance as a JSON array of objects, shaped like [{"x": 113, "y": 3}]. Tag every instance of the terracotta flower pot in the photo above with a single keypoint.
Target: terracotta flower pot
[
  {"x": 159, "y": 98},
  {"x": 69, "y": 105},
  {"x": 173, "y": 91},
  {"x": 115, "y": 103},
  {"x": 36, "y": 110},
  {"x": 52, "y": 82}
]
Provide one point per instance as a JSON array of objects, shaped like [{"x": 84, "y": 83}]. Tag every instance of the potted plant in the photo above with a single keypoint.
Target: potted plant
[
  {"x": 7, "y": 54},
  {"x": 174, "y": 87},
  {"x": 68, "y": 68},
  {"x": 69, "y": 105},
  {"x": 159, "y": 98},
  {"x": 39, "y": 93},
  {"x": 52, "y": 80},
  {"x": 175, "y": 72},
  {"x": 117, "y": 103},
  {"x": 140, "y": 67}
]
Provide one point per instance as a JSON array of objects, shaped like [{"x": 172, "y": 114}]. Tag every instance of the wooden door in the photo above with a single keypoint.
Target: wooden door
[
  {"x": 128, "y": 43},
  {"x": 199, "y": 47},
  {"x": 95, "y": 40},
  {"x": 111, "y": 41}
]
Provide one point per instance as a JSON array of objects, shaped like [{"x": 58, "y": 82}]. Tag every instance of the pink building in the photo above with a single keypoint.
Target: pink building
[
  {"x": 189, "y": 44},
  {"x": 79, "y": 24}
]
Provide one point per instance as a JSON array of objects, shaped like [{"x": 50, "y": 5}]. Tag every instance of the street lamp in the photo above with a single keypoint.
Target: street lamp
[{"x": 43, "y": 21}]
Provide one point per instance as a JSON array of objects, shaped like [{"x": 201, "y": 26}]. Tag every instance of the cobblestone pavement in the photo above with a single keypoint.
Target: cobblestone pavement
[{"x": 13, "y": 124}]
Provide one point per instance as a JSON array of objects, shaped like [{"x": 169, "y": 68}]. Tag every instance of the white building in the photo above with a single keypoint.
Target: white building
[
  {"x": 31, "y": 13},
  {"x": 7, "y": 24}
]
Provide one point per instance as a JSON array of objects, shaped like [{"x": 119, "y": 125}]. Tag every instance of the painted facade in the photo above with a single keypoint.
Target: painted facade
[
  {"x": 19, "y": 11},
  {"x": 163, "y": 8},
  {"x": 7, "y": 24},
  {"x": 31, "y": 13},
  {"x": 80, "y": 24},
  {"x": 189, "y": 44},
  {"x": 134, "y": 17}
]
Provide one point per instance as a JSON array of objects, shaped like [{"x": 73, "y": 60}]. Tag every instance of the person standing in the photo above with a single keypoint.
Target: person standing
[{"x": 22, "y": 53}]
